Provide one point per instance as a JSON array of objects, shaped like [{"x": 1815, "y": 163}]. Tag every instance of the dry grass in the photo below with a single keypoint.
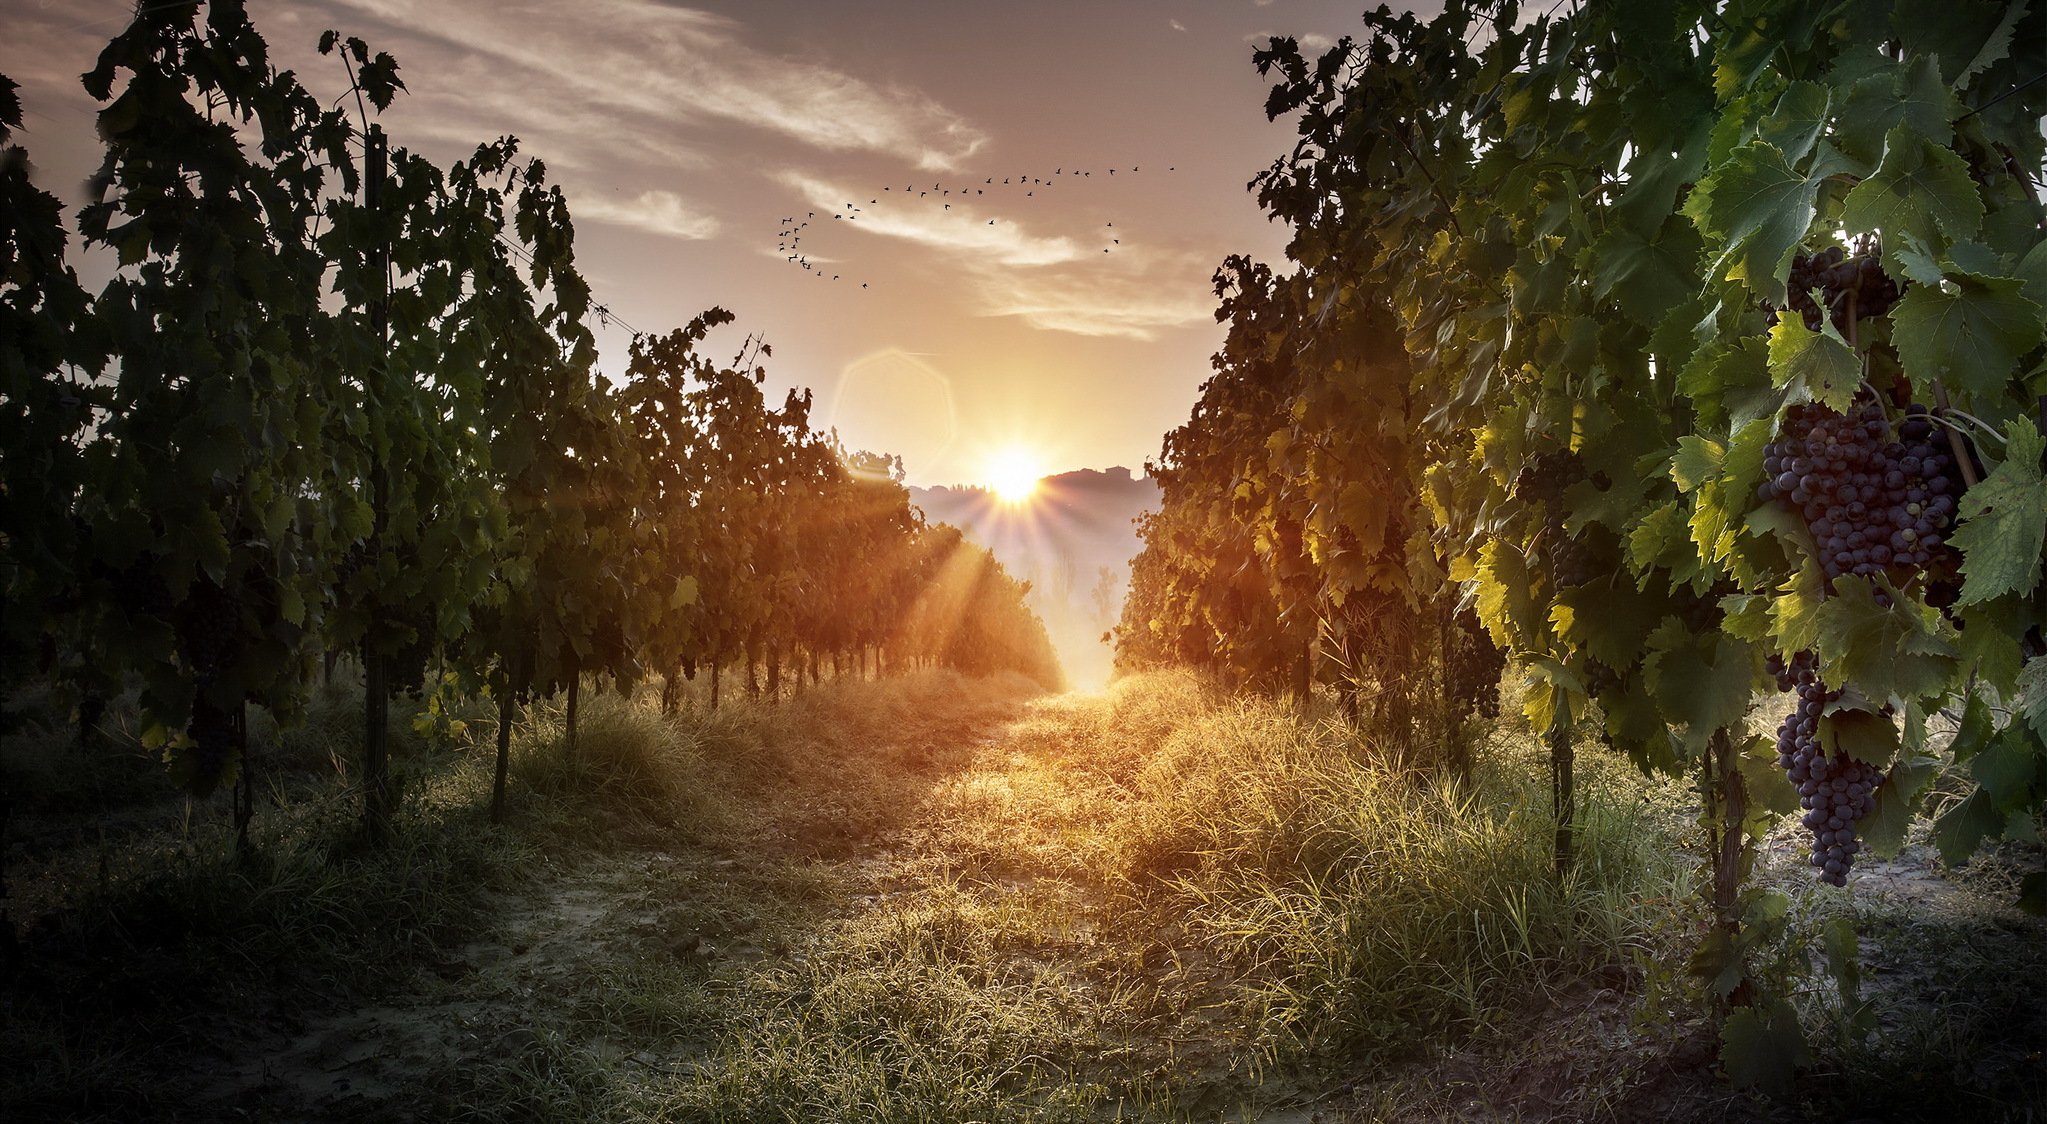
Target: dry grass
[{"x": 923, "y": 900}]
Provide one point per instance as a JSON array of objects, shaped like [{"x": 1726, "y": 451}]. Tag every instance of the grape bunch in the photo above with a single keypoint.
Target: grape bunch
[
  {"x": 1874, "y": 505},
  {"x": 1545, "y": 475},
  {"x": 1593, "y": 556},
  {"x": 1846, "y": 283},
  {"x": 1836, "y": 792},
  {"x": 1473, "y": 666},
  {"x": 1701, "y": 612}
]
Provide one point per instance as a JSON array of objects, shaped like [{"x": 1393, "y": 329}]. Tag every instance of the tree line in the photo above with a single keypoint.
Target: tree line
[{"x": 336, "y": 398}]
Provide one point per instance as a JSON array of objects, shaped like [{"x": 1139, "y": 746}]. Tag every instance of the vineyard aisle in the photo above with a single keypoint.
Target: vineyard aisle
[{"x": 937, "y": 898}]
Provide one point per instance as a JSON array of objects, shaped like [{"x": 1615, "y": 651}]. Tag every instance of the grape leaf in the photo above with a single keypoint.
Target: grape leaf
[
  {"x": 1918, "y": 187},
  {"x": 1697, "y": 459},
  {"x": 1651, "y": 277},
  {"x": 2004, "y": 522},
  {"x": 1702, "y": 683},
  {"x": 1859, "y": 733},
  {"x": 1967, "y": 36},
  {"x": 1798, "y": 120},
  {"x": 1610, "y": 624},
  {"x": 2007, "y": 768},
  {"x": 1506, "y": 604},
  {"x": 1761, "y": 1047},
  {"x": 1964, "y": 827},
  {"x": 1794, "y": 613},
  {"x": 2032, "y": 270},
  {"x": 1967, "y": 331},
  {"x": 1821, "y": 363},
  {"x": 1909, "y": 94},
  {"x": 1761, "y": 208},
  {"x": 2033, "y": 695},
  {"x": 1769, "y": 789},
  {"x": 1888, "y": 652}
]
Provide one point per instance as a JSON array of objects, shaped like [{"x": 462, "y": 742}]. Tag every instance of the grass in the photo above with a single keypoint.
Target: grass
[{"x": 928, "y": 899}]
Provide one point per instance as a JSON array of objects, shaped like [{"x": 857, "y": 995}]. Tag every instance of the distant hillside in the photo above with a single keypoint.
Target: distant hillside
[{"x": 1073, "y": 541}]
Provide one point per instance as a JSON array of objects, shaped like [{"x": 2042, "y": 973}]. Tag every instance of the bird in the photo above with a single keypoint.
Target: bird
[
  {"x": 991, "y": 222},
  {"x": 863, "y": 284}
]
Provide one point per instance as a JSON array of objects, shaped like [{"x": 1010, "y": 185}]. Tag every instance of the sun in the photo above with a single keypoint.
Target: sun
[{"x": 1013, "y": 475}]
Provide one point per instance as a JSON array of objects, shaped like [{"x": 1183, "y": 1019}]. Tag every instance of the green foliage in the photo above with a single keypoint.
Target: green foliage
[{"x": 1564, "y": 243}]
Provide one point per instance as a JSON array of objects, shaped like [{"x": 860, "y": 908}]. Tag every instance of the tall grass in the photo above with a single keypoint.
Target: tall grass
[{"x": 919, "y": 900}]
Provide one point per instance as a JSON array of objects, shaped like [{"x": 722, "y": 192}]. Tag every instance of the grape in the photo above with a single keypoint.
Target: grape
[
  {"x": 1546, "y": 475},
  {"x": 1874, "y": 505},
  {"x": 1593, "y": 556},
  {"x": 1836, "y": 792},
  {"x": 1838, "y": 276},
  {"x": 1473, "y": 666}
]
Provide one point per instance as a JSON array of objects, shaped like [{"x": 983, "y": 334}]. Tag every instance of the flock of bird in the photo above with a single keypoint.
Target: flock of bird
[{"x": 789, "y": 238}]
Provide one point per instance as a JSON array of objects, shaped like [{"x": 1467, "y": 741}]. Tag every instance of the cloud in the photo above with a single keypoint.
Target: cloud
[
  {"x": 624, "y": 73},
  {"x": 661, "y": 212},
  {"x": 964, "y": 231},
  {"x": 1135, "y": 296}
]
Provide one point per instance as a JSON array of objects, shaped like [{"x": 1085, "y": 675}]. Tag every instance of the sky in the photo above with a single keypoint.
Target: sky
[{"x": 948, "y": 316}]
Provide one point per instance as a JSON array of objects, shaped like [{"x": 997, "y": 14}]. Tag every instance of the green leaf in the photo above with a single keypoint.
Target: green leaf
[
  {"x": 1910, "y": 95},
  {"x": 1650, "y": 278},
  {"x": 1767, "y": 786},
  {"x": 2032, "y": 271},
  {"x": 1977, "y": 728},
  {"x": 1968, "y": 332},
  {"x": 685, "y": 593},
  {"x": 1761, "y": 1047},
  {"x": 1967, "y": 36},
  {"x": 1697, "y": 460},
  {"x": 1761, "y": 208},
  {"x": 1964, "y": 827},
  {"x": 1610, "y": 624},
  {"x": 1506, "y": 602},
  {"x": 2032, "y": 700},
  {"x": 1888, "y": 652},
  {"x": 1820, "y": 363},
  {"x": 1794, "y": 613},
  {"x": 1989, "y": 650},
  {"x": 2006, "y": 769},
  {"x": 1798, "y": 120},
  {"x": 1919, "y": 187},
  {"x": 1702, "y": 683},
  {"x": 2004, "y": 521},
  {"x": 1862, "y": 734}
]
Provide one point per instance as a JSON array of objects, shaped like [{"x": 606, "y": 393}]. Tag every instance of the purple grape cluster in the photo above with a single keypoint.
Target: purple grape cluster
[
  {"x": 1851, "y": 287},
  {"x": 1593, "y": 556},
  {"x": 1836, "y": 792},
  {"x": 1874, "y": 505}
]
